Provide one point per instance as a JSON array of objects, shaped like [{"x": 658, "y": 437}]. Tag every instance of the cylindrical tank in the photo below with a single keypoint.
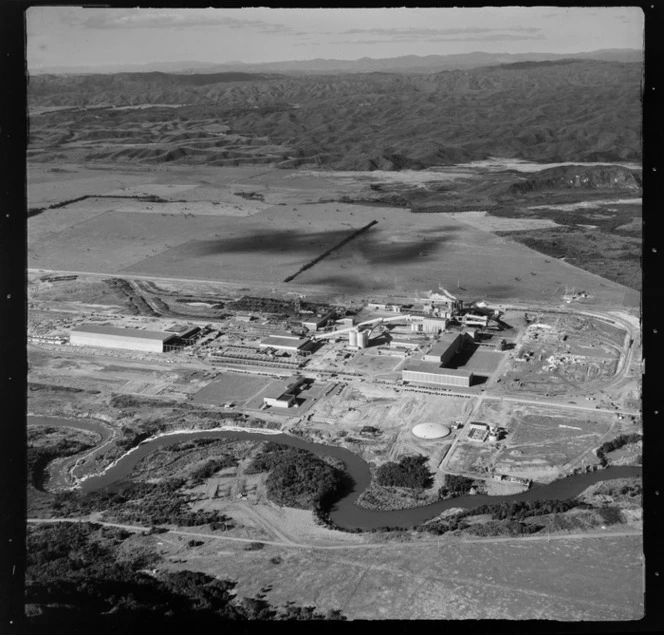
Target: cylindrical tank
[
  {"x": 363, "y": 339},
  {"x": 352, "y": 338}
]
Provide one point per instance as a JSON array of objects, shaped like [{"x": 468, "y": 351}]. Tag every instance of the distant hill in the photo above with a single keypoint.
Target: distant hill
[
  {"x": 550, "y": 111},
  {"x": 403, "y": 64}
]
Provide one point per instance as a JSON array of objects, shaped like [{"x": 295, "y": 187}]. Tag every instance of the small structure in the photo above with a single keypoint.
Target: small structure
[
  {"x": 478, "y": 431},
  {"x": 124, "y": 338}
]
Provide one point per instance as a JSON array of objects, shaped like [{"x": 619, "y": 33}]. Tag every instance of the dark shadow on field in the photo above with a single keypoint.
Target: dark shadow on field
[
  {"x": 345, "y": 284},
  {"x": 313, "y": 243}
]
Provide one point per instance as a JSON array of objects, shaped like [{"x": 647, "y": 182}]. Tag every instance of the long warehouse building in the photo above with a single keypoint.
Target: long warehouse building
[
  {"x": 114, "y": 337},
  {"x": 432, "y": 373}
]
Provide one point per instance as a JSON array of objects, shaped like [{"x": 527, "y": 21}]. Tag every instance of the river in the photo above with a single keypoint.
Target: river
[{"x": 345, "y": 512}]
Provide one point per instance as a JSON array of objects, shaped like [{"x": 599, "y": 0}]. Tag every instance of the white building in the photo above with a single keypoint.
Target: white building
[
  {"x": 287, "y": 342},
  {"x": 114, "y": 337},
  {"x": 432, "y": 373}
]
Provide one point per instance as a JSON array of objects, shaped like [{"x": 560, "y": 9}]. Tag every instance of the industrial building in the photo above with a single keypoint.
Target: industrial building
[
  {"x": 428, "y": 325},
  {"x": 314, "y": 322},
  {"x": 283, "y": 394},
  {"x": 114, "y": 337},
  {"x": 432, "y": 373},
  {"x": 399, "y": 343},
  {"x": 287, "y": 342},
  {"x": 445, "y": 349},
  {"x": 358, "y": 339}
]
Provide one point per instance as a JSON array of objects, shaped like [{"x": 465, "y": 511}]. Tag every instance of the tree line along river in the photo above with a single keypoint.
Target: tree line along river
[{"x": 345, "y": 512}]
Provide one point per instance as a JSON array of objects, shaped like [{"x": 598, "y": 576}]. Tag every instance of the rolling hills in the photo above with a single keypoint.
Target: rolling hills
[{"x": 564, "y": 110}]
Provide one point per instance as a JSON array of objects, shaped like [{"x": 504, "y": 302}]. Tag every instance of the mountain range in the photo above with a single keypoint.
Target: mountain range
[{"x": 403, "y": 64}]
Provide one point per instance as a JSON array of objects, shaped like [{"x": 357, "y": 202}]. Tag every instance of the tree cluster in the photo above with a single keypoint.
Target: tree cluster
[
  {"x": 455, "y": 486},
  {"x": 39, "y": 458},
  {"x": 411, "y": 471},
  {"x": 212, "y": 466},
  {"x": 297, "y": 478},
  {"x": 615, "y": 444},
  {"x": 76, "y": 573},
  {"x": 144, "y": 503}
]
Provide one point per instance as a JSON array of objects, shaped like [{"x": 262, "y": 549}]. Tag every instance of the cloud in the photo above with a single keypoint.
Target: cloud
[
  {"x": 498, "y": 37},
  {"x": 428, "y": 32},
  {"x": 155, "y": 19}
]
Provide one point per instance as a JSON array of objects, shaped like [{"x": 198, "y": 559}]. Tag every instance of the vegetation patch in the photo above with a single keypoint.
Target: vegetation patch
[
  {"x": 615, "y": 444},
  {"x": 78, "y": 573},
  {"x": 612, "y": 256},
  {"x": 455, "y": 486},
  {"x": 411, "y": 471},
  {"x": 297, "y": 478},
  {"x": 143, "y": 503}
]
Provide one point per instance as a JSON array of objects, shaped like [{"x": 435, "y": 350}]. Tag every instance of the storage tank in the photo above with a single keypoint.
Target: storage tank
[
  {"x": 430, "y": 431},
  {"x": 363, "y": 339},
  {"x": 352, "y": 338}
]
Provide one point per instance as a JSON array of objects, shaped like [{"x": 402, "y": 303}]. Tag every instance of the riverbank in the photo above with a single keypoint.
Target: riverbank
[{"x": 345, "y": 513}]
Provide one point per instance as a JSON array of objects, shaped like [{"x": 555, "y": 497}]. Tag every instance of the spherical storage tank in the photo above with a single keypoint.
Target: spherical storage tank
[{"x": 430, "y": 431}]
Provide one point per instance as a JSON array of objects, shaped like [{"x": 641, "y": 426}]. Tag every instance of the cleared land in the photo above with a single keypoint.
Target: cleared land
[
  {"x": 479, "y": 580},
  {"x": 232, "y": 388},
  {"x": 402, "y": 253}
]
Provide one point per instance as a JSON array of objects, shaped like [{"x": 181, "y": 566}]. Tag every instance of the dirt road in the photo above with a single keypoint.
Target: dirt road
[{"x": 367, "y": 545}]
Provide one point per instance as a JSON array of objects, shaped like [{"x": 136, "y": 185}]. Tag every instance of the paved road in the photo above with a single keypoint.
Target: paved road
[{"x": 340, "y": 546}]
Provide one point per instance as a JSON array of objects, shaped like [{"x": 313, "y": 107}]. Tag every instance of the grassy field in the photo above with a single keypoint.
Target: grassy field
[
  {"x": 224, "y": 237},
  {"x": 589, "y": 579},
  {"x": 232, "y": 387}
]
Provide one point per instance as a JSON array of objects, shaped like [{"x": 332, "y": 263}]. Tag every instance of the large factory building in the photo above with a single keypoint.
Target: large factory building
[
  {"x": 283, "y": 394},
  {"x": 288, "y": 343},
  {"x": 445, "y": 349},
  {"x": 113, "y": 337},
  {"x": 431, "y": 373}
]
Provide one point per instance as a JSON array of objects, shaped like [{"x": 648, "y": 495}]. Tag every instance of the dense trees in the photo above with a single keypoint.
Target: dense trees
[
  {"x": 211, "y": 466},
  {"x": 506, "y": 517},
  {"x": 80, "y": 572},
  {"x": 455, "y": 486},
  {"x": 39, "y": 458},
  {"x": 297, "y": 478},
  {"x": 411, "y": 471},
  {"x": 144, "y": 503},
  {"x": 615, "y": 444}
]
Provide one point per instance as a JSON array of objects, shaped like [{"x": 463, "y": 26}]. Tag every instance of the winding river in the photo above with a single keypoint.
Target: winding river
[{"x": 345, "y": 512}]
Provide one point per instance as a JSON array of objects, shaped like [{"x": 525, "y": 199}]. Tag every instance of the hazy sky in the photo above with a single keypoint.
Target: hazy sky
[{"x": 68, "y": 36}]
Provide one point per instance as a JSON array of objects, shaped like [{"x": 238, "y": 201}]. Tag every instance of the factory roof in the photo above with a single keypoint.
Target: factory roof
[
  {"x": 281, "y": 341},
  {"x": 445, "y": 342},
  {"x": 436, "y": 369},
  {"x": 280, "y": 388},
  {"x": 123, "y": 332}
]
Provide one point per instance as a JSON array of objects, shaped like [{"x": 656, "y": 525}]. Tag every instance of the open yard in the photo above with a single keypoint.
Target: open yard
[
  {"x": 279, "y": 228},
  {"x": 232, "y": 387},
  {"x": 539, "y": 444},
  {"x": 569, "y": 579}
]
